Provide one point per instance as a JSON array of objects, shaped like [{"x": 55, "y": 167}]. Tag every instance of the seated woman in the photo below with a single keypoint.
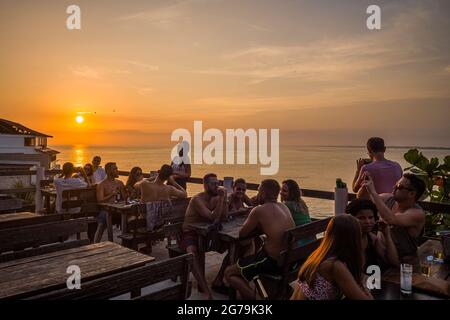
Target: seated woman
[
  {"x": 135, "y": 176},
  {"x": 87, "y": 174},
  {"x": 238, "y": 199},
  {"x": 379, "y": 248},
  {"x": 335, "y": 268},
  {"x": 291, "y": 196},
  {"x": 66, "y": 181}
]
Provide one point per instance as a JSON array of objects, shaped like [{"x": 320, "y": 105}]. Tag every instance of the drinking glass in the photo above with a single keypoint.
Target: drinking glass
[{"x": 406, "y": 271}]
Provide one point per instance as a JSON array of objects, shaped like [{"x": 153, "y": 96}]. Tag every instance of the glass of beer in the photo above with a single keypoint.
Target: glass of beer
[{"x": 425, "y": 266}]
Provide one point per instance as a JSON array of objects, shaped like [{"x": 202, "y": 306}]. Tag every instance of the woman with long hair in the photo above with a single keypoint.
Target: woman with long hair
[
  {"x": 291, "y": 196},
  {"x": 335, "y": 268},
  {"x": 134, "y": 177}
]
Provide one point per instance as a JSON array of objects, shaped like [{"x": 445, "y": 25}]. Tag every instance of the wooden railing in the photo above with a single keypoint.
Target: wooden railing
[{"x": 316, "y": 194}]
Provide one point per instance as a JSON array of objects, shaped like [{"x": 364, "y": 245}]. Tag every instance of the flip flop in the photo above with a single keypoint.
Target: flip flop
[{"x": 220, "y": 289}]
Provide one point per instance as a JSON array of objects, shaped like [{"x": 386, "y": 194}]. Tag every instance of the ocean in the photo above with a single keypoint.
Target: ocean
[{"x": 314, "y": 167}]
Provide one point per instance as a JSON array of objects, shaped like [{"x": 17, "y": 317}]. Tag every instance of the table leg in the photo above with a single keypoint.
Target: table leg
[
  {"x": 47, "y": 204},
  {"x": 201, "y": 253},
  {"x": 109, "y": 226},
  {"x": 124, "y": 222},
  {"x": 232, "y": 252}
]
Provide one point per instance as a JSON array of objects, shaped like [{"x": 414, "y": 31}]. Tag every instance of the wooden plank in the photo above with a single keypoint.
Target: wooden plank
[
  {"x": 56, "y": 277},
  {"x": 50, "y": 274},
  {"x": 40, "y": 233},
  {"x": 17, "y": 216},
  {"x": 42, "y": 250},
  {"x": 124, "y": 282},
  {"x": 27, "y": 220},
  {"x": 21, "y": 190},
  {"x": 96, "y": 246},
  {"x": 308, "y": 230}
]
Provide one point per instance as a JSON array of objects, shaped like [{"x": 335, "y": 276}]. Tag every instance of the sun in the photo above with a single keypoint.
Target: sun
[{"x": 79, "y": 119}]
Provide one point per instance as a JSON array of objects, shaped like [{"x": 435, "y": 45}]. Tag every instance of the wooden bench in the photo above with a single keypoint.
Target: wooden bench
[
  {"x": 86, "y": 199},
  {"x": 32, "y": 236},
  {"x": 291, "y": 259},
  {"x": 173, "y": 232},
  {"x": 136, "y": 233},
  {"x": 132, "y": 281}
]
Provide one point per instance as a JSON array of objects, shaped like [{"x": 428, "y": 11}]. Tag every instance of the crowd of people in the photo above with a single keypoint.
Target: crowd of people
[{"x": 381, "y": 227}]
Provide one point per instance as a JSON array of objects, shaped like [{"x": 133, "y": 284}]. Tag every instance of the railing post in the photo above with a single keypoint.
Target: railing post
[
  {"x": 228, "y": 184},
  {"x": 340, "y": 200},
  {"x": 40, "y": 175}
]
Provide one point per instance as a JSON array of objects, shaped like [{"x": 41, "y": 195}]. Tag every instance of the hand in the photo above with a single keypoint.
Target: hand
[
  {"x": 368, "y": 183},
  {"x": 171, "y": 179},
  {"x": 221, "y": 192},
  {"x": 359, "y": 164},
  {"x": 383, "y": 227}
]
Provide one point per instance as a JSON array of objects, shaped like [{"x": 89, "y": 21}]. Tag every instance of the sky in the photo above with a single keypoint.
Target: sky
[{"x": 137, "y": 70}]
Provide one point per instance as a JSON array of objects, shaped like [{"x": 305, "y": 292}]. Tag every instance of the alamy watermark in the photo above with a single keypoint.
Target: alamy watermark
[
  {"x": 73, "y": 21},
  {"x": 218, "y": 151},
  {"x": 74, "y": 280}
]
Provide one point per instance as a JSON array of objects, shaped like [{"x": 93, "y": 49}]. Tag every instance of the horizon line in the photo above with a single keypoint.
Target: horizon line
[{"x": 286, "y": 145}]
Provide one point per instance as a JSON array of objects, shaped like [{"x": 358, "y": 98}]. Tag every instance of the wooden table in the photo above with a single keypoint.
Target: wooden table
[
  {"x": 11, "y": 218},
  {"x": 391, "y": 291},
  {"x": 424, "y": 287},
  {"x": 439, "y": 270},
  {"x": 229, "y": 235},
  {"x": 120, "y": 208},
  {"x": 31, "y": 276}
]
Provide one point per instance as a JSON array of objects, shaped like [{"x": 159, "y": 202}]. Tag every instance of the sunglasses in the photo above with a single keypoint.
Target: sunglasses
[
  {"x": 241, "y": 189},
  {"x": 402, "y": 187}
]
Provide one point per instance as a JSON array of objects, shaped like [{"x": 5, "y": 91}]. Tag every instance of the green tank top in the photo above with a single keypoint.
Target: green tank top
[{"x": 299, "y": 217}]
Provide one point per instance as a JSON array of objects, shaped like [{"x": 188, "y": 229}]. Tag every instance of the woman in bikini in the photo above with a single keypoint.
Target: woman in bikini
[{"x": 335, "y": 269}]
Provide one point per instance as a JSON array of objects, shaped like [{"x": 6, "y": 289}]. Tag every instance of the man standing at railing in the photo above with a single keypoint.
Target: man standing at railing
[
  {"x": 99, "y": 174},
  {"x": 109, "y": 190},
  {"x": 385, "y": 173}
]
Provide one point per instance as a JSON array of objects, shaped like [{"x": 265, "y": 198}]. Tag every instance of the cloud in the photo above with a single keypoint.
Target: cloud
[
  {"x": 405, "y": 39},
  {"x": 143, "y": 65},
  {"x": 163, "y": 17},
  {"x": 144, "y": 91},
  {"x": 86, "y": 72}
]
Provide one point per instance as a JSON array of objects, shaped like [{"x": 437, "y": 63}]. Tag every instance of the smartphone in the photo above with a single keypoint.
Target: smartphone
[{"x": 367, "y": 161}]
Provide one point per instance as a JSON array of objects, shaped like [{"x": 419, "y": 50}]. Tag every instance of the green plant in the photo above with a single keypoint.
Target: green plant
[
  {"x": 437, "y": 181},
  {"x": 27, "y": 196}
]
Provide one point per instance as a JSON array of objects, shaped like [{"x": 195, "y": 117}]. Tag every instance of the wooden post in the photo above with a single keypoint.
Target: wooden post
[
  {"x": 40, "y": 175},
  {"x": 228, "y": 184},
  {"x": 340, "y": 200}
]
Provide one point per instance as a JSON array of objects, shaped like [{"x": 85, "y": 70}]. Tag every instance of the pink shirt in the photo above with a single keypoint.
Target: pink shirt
[{"x": 385, "y": 174}]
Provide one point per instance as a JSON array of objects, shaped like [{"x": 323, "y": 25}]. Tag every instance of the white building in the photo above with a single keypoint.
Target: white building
[{"x": 21, "y": 147}]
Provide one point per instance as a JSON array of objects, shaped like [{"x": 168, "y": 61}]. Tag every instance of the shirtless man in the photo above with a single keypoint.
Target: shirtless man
[
  {"x": 400, "y": 210},
  {"x": 273, "y": 219},
  {"x": 207, "y": 206},
  {"x": 157, "y": 190},
  {"x": 107, "y": 191}
]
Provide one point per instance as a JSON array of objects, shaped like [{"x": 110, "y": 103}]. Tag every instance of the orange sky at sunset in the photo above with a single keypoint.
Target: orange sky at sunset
[{"x": 139, "y": 69}]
